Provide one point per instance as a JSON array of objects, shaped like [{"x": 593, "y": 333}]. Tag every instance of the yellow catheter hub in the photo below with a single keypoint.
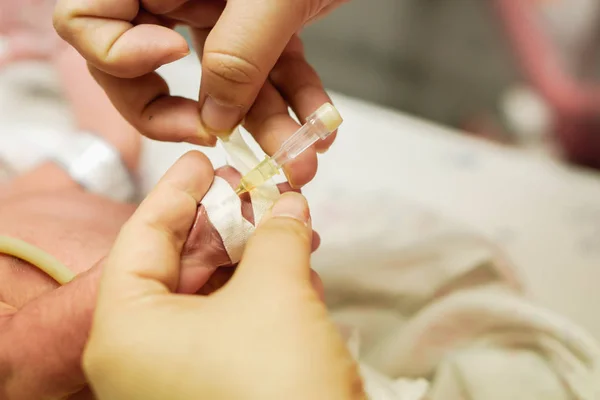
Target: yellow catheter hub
[{"x": 319, "y": 125}]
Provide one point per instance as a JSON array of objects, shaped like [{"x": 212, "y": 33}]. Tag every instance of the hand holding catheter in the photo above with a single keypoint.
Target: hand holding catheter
[{"x": 319, "y": 125}]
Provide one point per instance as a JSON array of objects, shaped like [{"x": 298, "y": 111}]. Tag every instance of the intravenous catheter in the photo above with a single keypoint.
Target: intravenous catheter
[{"x": 319, "y": 125}]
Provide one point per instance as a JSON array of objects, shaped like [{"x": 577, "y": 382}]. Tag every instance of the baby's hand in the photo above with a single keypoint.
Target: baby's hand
[
  {"x": 26, "y": 26},
  {"x": 57, "y": 319},
  {"x": 267, "y": 321},
  {"x": 204, "y": 253}
]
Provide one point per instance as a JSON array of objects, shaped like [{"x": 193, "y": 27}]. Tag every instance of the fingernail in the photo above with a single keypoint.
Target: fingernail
[
  {"x": 201, "y": 140},
  {"x": 219, "y": 119},
  {"x": 173, "y": 57},
  {"x": 290, "y": 181},
  {"x": 288, "y": 178},
  {"x": 292, "y": 205},
  {"x": 323, "y": 150},
  {"x": 202, "y": 137}
]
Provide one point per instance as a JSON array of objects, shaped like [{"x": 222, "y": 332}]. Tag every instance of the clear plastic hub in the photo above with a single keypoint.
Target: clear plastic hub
[{"x": 319, "y": 125}]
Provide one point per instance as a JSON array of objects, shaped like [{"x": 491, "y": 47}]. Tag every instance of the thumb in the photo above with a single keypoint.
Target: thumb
[
  {"x": 279, "y": 250},
  {"x": 240, "y": 52},
  {"x": 145, "y": 258}
]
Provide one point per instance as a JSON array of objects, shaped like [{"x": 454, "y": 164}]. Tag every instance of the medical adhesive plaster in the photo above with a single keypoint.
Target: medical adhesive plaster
[{"x": 224, "y": 207}]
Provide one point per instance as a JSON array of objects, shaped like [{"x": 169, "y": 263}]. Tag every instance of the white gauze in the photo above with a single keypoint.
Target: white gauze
[{"x": 224, "y": 207}]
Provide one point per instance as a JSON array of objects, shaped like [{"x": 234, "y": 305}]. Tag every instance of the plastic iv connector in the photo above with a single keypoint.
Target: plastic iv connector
[{"x": 319, "y": 125}]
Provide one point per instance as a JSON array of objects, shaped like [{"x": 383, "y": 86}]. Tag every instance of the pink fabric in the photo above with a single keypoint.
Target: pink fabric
[
  {"x": 575, "y": 103},
  {"x": 27, "y": 27}
]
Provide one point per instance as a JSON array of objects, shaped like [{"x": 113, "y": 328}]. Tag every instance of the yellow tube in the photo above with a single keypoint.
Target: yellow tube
[{"x": 36, "y": 257}]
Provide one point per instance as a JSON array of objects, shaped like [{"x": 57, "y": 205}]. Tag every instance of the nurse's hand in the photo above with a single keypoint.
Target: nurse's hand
[
  {"x": 253, "y": 66},
  {"x": 264, "y": 334}
]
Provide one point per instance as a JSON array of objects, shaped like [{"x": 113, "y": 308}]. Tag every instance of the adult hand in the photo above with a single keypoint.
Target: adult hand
[
  {"x": 253, "y": 66},
  {"x": 263, "y": 335},
  {"x": 44, "y": 326}
]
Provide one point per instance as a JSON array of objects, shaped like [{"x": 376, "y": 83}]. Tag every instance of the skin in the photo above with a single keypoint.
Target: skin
[
  {"x": 44, "y": 327},
  {"x": 251, "y": 71},
  {"x": 264, "y": 334},
  {"x": 36, "y": 345},
  {"x": 40, "y": 353}
]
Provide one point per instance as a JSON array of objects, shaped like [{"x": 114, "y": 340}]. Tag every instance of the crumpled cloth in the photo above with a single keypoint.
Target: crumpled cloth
[{"x": 447, "y": 319}]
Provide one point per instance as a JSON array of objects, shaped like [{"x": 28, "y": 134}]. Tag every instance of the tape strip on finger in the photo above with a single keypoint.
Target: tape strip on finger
[{"x": 224, "y": 207}]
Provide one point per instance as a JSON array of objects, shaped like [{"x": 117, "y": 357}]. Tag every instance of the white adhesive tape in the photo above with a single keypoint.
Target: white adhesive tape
[
  {"x": 262, "y": 199},
  {"x": 239, "y": 155},
  {"x": 224, "y": 207},
  {"x": 224, "y": 210}
]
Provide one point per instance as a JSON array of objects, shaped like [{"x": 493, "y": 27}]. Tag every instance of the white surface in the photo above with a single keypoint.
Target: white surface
[{"x": 545, "y": 216}]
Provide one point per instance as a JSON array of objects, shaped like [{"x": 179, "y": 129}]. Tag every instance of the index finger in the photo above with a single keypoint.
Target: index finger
[
  {"x": 103, "y": 32},
  {"x": 145, "y": 258}
]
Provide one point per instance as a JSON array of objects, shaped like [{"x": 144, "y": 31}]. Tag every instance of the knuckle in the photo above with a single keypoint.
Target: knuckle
[{"x": 231, "y": 68}]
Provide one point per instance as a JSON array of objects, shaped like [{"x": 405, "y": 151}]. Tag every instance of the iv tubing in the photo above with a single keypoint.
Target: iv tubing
[{"x": 36, "y": 257}]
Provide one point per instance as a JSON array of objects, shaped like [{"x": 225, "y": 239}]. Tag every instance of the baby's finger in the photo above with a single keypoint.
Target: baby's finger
[{"x": 204, "y": 251}]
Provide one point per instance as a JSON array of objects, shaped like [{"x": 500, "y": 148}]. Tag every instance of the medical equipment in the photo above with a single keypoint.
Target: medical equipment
[
  {"x": 319, "y": 125},
  {"x": 36, "y": 257},
  {"x": 96, "y": 165}
]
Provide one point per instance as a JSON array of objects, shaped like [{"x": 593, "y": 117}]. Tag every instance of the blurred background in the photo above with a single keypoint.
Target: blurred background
[
  {"x": 516, "y": 72},
  {"x": 441, "y": 60}
]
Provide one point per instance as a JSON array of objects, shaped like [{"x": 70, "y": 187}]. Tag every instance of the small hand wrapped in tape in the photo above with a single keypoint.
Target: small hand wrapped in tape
[{"x": 223, "y": 224}]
